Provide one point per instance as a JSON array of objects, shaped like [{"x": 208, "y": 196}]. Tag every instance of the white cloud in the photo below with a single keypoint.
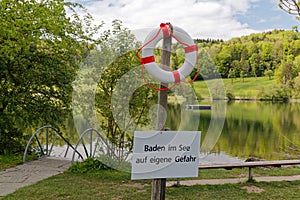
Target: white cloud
[
  {"x": 200, "y": 18},
  {"x": 262, "y": 21}
]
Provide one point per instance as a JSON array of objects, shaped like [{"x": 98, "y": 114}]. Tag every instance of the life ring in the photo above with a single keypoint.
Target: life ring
[{"x": 148, "y": 61}]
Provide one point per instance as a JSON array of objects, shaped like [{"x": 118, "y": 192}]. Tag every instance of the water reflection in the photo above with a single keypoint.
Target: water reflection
[
  {"x": 218, "y": 158},
  {"x": 264, "y": 130},
  {"x": 253, "y": 129}
]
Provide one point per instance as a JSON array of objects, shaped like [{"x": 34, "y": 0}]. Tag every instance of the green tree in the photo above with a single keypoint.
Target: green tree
[
  {"x": 296, "y": 47},
  {"x": 40, "y": 50},
  {"x": 262, "y": 51},
  {"x": 223, "y": 61},
  {"x": 297, "y": 63},
  {"x": 296, "y": 92},
  {"x": 236, "y": 68},
  {"x": 255, "y": 63},
  {"x": 117, "y": 53},
  {"x": 231, "y": 74},
  {"x": 269, "y": 73},
  {"x": 177, "y": 56},
  {"x": 245, "y": 67},
  {"x": 207, "y": 66},
  {"x": 290, "y": 6},
  {"x": 243, "y": 75},
  {"x": 266, "y": 52},
  {"x": 286, "y": 71}
]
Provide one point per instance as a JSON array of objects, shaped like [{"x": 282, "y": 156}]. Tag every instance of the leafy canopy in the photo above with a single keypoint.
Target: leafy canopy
[{"x": 41, "y": 47}]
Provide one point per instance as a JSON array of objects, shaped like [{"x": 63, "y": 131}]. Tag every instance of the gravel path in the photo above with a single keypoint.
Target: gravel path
[{"x": 233, "y": 180}]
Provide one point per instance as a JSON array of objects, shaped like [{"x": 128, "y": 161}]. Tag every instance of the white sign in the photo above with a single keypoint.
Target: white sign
[{"x": 165, "y": 154}]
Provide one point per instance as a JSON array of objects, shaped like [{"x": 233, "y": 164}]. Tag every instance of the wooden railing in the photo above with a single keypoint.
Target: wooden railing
[{"x": 250, "y": 165}]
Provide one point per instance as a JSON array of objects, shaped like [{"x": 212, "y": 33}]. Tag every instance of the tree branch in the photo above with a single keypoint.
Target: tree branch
[{"x": 290, "y": 6}]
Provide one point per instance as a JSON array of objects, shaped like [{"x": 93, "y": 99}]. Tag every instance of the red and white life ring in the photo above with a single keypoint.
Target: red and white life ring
[{"x": 148, "y": 60}]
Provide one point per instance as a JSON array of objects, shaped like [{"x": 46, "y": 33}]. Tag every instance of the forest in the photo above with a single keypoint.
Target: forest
[
  {"x": 260, "y": 54},
  {"x": 275, "y": 54}
]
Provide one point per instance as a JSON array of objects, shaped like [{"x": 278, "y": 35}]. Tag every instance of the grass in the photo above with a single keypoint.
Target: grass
[
  {"x": 100, "y": 184},
  {"x": 249, "y": 88},
  {"x": 110, "y": 184},
  {"x": 79, "y": 183},
  {"x": 275, "y": 190},
  {"x": 243, "y": 172},
  {"x": 11, "y": 160}
]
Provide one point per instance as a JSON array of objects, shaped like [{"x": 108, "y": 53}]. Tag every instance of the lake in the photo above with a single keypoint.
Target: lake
[{"x": 263, "y": 130}]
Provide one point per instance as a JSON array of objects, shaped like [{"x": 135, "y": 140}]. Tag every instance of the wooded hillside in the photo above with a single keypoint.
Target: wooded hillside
[{"x": 261, "y": 54}]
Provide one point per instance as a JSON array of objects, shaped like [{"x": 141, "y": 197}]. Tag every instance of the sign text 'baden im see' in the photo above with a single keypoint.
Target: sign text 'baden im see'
[{"x": 165, "y": 154}]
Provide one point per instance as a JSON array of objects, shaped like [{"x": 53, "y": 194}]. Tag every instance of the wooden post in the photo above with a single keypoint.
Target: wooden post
[
  {"x": 159, "y": 185},
  {"x": 250, "y": 177}
]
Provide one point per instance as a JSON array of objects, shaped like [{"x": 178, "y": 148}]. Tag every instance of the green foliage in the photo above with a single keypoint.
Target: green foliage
[
  {"x": 255, "y": 64},
  {"x": 229, "y": 96},
  {"x": 269, "y": 73},
  {"x": 231, "y": 75},
  {"x": 90, "y": 164},
  {"x": 286, "y": 72},
  {"x": 120, "y": 165},
  {"x": 276, "y": 93},
  {"x": 109, "y": 72},
  {"x": 243, "y": 75},
  {"x": 254, "y": 54},
  {"x": 10, "y": 160},
  {"x": 206, "y": 64},
  {"x": 11, "y": 139},
  {"x": 296, "y": 91},
  {"x": 297, "y": 62},
  {"x": 223, "y": 60},
  {"x": 117, "y": 59},
  {"x": 41, "y": 49},
  {"x": 103, "y": 162},
  {"x": 274, "y": 53}
]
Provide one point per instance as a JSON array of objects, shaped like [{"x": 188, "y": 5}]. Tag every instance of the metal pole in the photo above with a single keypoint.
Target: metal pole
[
  {"x": 47, "y": 138},
  {"x": 159, "y": 185},
  {"x": 91, "y": 143},
  {"x": 250, "y": 178},
  {"x": 178, "y": 181}
]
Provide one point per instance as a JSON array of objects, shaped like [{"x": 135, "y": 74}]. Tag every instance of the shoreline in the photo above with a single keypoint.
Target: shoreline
[{"x": 251, "y": 99}]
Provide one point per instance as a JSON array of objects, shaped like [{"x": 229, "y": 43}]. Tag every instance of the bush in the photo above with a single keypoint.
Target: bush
[
  {"x": 88, "y": 165},
  {"x": 278, "y": 93},
  {"x": 102, "y": 163},
  {"x": 230, "y": 96},
  {"x": 11, "y": 139}
]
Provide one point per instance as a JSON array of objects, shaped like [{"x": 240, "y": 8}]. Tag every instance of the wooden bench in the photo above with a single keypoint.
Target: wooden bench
[{"x": 250, "y": 165}]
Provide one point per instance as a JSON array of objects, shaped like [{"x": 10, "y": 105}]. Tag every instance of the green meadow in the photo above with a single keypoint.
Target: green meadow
[{"x": 247, "y": 88}]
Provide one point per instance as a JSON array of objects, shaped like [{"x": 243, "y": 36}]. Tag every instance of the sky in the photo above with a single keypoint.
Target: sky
[{"x": 202, "y": 19}]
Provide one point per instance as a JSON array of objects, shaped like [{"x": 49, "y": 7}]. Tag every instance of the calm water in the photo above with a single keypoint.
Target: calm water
[
  {"x": 252, "y": 129},
  {"x": 264, "y": 130}
]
